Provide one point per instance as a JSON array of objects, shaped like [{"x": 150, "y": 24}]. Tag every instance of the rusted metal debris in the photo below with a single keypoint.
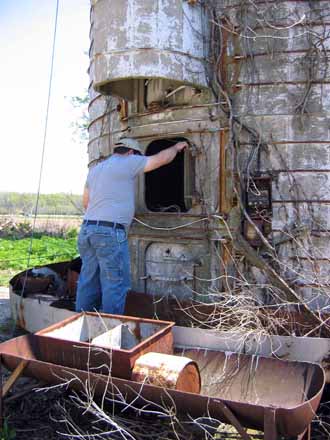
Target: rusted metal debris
[
  {"x": 262, "y": 393},
  {"x": 175, "y": 372},
  {"x": 286, "y": 332},
  {"x": 68, "y": 342},
  {"x": 250, "y": 379},
  {"x": 293, "y": 320}
]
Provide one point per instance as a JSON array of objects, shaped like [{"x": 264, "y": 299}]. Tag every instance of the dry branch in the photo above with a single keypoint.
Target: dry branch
[{"x": 252, "y": 256}]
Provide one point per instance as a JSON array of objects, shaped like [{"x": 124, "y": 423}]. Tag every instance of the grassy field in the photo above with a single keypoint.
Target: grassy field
[
  {"x": 45, "y": 223},
  {"x": 54, "y": 240}
]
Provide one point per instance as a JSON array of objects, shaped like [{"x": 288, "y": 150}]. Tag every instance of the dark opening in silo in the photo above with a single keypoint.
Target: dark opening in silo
[{"x": 164, "y": 187}]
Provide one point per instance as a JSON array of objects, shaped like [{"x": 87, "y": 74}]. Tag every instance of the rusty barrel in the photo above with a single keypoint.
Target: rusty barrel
[{"x": 175, "y": 372}]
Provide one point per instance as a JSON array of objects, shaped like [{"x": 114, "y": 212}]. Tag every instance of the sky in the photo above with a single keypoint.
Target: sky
[{"x": 26, "y": 29}]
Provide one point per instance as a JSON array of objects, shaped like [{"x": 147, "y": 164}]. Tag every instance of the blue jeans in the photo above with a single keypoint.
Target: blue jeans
[{"x": 105, "y": 274}]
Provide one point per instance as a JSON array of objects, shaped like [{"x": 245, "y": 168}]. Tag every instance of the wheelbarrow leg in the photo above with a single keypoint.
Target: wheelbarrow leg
[
  {"x": 13, "y": 377},
  {"x": 306, "y": 435},
  {"x": 230, "y": 416},
  {"x": 4, "y": 388},
  {"x": 270, "y": 431}
]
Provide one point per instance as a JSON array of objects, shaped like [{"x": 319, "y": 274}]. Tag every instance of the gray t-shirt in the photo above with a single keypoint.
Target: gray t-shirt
[{"x": 111, "y": 186}]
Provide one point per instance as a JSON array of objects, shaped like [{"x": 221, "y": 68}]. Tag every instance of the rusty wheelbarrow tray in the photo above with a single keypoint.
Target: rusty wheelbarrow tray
[
  {"x": 277, "y": 397},
  {"x": 70, "y": 340}
]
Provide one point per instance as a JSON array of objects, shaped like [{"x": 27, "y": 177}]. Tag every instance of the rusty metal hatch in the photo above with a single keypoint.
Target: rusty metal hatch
[{"x": 170, "y": 266}]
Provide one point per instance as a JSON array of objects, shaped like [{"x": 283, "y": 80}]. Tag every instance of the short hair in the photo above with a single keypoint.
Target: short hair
[
  {"x": 124, "y": 150},
  {"x": 121, "y": 150}
]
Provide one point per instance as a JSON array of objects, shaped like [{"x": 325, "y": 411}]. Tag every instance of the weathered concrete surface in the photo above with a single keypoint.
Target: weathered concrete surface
[
  {"x": 271, "y": 64},
  {"x": 147, "y": 39},
  {"x": 278, "y": 77}
]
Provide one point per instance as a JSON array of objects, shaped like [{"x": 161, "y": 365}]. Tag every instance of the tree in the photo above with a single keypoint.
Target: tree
[{"x": 80, "y": 124}]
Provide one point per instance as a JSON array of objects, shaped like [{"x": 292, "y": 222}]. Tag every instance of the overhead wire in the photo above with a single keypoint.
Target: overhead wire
[{"x": 43, "y": 147}]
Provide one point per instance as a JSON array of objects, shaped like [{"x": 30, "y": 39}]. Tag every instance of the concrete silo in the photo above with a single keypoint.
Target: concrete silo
[
  {"x": 266, "y": 133},
  {"x": 149, "y": 79}
]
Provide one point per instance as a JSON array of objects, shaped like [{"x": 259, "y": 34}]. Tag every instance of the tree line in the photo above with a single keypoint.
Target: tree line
[{"x": 13, "y": 203}]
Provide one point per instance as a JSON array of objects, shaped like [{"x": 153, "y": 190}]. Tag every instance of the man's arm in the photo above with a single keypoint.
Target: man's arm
[
  {"x": 164, "y": 157},
  {"x": 85, "y": 197}
]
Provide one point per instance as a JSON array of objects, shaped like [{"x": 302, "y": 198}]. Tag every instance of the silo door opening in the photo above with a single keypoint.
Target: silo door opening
[{"x": 165, "y": 187}]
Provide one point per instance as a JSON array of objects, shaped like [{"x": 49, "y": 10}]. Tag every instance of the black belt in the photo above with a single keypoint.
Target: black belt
[{"x": 104, "y": 223}]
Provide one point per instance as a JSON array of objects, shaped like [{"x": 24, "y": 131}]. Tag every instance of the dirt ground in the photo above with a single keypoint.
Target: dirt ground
[{"x": 34, "y": 415}]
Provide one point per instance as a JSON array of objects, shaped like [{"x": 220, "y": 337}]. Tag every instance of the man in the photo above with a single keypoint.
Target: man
[{"x": 109, "y": 203}]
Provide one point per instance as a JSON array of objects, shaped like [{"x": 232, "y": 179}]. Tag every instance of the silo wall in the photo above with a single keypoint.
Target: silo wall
[{"x": 276, "y": 72}]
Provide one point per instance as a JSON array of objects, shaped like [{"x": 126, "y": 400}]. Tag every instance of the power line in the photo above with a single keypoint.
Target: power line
[
  {"x": 46, "y": 118},
  {"x": 43, "y": 144}
]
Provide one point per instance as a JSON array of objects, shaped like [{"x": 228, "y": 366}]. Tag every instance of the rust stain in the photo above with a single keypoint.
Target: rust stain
[
  {"x": 224, "y": 202},
  {"x": 20, "y": 315},
  {"x": 137, "y": 332}
]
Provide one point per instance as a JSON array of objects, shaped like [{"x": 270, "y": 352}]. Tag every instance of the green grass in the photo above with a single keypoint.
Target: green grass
[
  {"x": 7, "y": 326},
  {"x": 16, "y": 255},
  {"x": 5, "y": 276},
  {"x": 6, "y": 432}
]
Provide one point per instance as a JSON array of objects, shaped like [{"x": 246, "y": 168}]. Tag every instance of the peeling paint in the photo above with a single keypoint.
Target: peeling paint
[{"x": 148, "y": 39}]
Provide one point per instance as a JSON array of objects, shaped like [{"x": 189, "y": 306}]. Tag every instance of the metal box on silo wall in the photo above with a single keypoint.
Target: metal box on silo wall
[{"x": 147, "y": 39}]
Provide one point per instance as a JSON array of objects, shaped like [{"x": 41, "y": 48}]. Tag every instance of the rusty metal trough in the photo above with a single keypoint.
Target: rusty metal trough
[{"x": 277, "y": 397}]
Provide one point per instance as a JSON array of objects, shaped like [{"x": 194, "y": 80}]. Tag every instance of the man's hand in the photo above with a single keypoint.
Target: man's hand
[
  {"x": 180, "y": 146},
  {"x": 164, "y": 157}
]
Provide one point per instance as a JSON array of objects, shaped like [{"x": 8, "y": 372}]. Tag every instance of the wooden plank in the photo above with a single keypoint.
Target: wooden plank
[{"x": 13, "y": 377}]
